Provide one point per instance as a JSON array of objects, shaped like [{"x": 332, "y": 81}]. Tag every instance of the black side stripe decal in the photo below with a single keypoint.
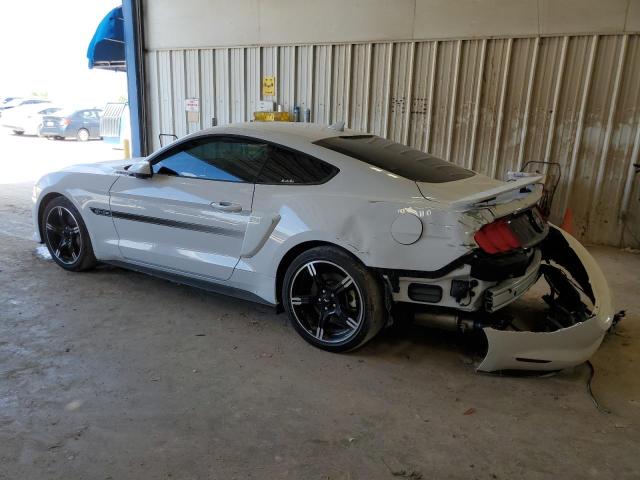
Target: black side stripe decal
[
  {"x": 228, "y": 232},
  {"x": 101, "y": 211}
]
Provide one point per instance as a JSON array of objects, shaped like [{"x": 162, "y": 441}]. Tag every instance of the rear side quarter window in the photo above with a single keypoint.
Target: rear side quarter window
[{"x": 290, "y": 167}]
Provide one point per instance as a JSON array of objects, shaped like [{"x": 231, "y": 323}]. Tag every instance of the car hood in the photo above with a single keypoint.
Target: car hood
[{"x": 109, "y": 167}]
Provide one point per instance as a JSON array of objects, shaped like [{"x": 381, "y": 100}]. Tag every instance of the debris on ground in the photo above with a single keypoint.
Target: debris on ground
[
  {"x": 407, "y": 474},
  {"x": 592, "y": 373},
  {"x": 469, "y": 411},
  {"x": 403, "y": 473},
  {"x": 616, "y": 319}
]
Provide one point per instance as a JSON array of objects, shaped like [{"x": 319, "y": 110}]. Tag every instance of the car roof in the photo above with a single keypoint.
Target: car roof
[
  {"x": 35, "y": 106},
  {"x": 296, "y": 135},
  {"x": 66, "y": 111},
  {"x": 310, "y": 132}
]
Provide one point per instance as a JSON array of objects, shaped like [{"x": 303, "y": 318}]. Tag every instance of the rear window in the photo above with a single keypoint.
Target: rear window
[
  {"x": 49, "y": 111},
  {"x": 64, "y": 112},
  {"x": 396, "y": 158}
]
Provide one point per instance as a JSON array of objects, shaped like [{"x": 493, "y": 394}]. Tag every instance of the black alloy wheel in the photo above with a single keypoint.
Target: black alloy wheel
[
  {"x": 63, "y": 235},
  {"x": 66, "y": 236},
  {"x": 333, "y": 301}
]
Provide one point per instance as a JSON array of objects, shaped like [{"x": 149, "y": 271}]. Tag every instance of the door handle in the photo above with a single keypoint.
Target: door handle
[{"x": 227, "y": 206}]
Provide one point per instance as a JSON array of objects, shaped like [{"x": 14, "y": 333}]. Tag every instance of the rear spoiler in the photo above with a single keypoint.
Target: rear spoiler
[{"x": 493, "y": 193}]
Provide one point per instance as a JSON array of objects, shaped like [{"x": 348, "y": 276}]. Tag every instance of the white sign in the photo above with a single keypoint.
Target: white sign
[{"x": 192, "y": 104}]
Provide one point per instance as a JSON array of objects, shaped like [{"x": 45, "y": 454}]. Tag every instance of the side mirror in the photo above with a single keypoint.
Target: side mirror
[{"x": 140, "y": 169}]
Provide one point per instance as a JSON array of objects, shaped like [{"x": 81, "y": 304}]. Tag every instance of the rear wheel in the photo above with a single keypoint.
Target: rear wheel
[
  {"x": 333, "y": 301},
  {"x": 83, "y": 135},
  {"x": 66, "y": 236}
]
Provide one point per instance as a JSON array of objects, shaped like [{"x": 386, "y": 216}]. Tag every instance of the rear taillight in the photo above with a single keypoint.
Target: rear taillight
[
  {"x": 497, "y": 237},
  {"x": 65, "y": 122}
]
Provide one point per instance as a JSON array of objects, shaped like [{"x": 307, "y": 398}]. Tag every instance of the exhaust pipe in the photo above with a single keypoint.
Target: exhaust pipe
[{"x": 451, "y": 321}]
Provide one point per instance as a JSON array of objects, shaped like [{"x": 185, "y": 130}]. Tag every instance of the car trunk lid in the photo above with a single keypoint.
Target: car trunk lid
[
  {"x": 500, "y": 213},
  {"x": 482, "y": 191}
]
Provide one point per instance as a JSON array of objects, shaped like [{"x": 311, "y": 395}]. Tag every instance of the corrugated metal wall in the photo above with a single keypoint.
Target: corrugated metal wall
[{"x": 488, "y": 104}]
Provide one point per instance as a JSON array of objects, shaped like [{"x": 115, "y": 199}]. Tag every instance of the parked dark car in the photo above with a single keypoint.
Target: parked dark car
[{"x": 82, "y": 124}]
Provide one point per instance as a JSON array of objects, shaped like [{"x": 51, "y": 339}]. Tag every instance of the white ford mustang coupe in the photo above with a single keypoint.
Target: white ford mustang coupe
[{"x": 344, "y": 231}]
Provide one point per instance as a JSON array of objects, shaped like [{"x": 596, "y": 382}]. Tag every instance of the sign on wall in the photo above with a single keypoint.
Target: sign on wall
[
  {"x": 192, "y": 107},
  {"x": 192, "y": 104},
  {"x": 268, "y": 86}
]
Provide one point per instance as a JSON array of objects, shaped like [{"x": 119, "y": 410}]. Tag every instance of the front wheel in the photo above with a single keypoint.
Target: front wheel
[
  {"x": 66, "y": 236},
  {"x": 332, "y": 300}
]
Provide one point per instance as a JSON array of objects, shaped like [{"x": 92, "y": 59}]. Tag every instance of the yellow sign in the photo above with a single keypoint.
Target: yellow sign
[
  {"x": 272, "y": 116},
  {"x": 268, "y": 86}
]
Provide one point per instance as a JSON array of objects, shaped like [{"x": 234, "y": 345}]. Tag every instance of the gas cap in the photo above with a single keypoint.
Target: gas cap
[{"x": 406, "y": 229}]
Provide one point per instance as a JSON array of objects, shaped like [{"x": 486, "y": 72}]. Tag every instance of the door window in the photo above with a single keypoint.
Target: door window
[{"x": 224, "y": 159}]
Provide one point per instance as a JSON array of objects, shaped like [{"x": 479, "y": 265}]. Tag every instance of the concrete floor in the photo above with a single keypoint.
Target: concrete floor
[{"x": 115, "y": 375}]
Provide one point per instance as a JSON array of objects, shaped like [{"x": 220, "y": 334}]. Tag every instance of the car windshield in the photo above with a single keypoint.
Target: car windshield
[{"x": 396, "y": 158}]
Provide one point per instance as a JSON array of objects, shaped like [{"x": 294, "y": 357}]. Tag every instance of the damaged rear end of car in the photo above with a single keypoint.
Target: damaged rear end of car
[
  {"x": 515, "y": 250},
  {"x": 570, "y": 329},
  {"x": 472, "y": 253}
]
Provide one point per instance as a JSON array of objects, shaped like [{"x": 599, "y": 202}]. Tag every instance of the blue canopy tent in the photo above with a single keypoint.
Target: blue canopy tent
[{"x": 106, "y": 50}]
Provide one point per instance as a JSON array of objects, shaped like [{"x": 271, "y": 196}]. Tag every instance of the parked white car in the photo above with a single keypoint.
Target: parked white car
[
  {"x": 344, "y": 231},
  {"x": 15, "y": 102},
  {"x": 27, "y": 119}
]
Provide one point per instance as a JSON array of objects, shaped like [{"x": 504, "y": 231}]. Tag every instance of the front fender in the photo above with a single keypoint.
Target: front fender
[{"x": 84, "y": 191}]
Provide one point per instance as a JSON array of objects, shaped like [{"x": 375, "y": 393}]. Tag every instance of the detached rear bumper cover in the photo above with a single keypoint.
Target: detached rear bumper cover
[{"x": 566, "y": 347}]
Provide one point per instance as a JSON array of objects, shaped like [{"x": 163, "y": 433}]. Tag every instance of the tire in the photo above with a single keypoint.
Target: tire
[
  {"x": 83, "y": 135},
  {"x": 18, "y": 132},
  {"x": 66, "y": 236},
  {"x": 332, "y": 300}
]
